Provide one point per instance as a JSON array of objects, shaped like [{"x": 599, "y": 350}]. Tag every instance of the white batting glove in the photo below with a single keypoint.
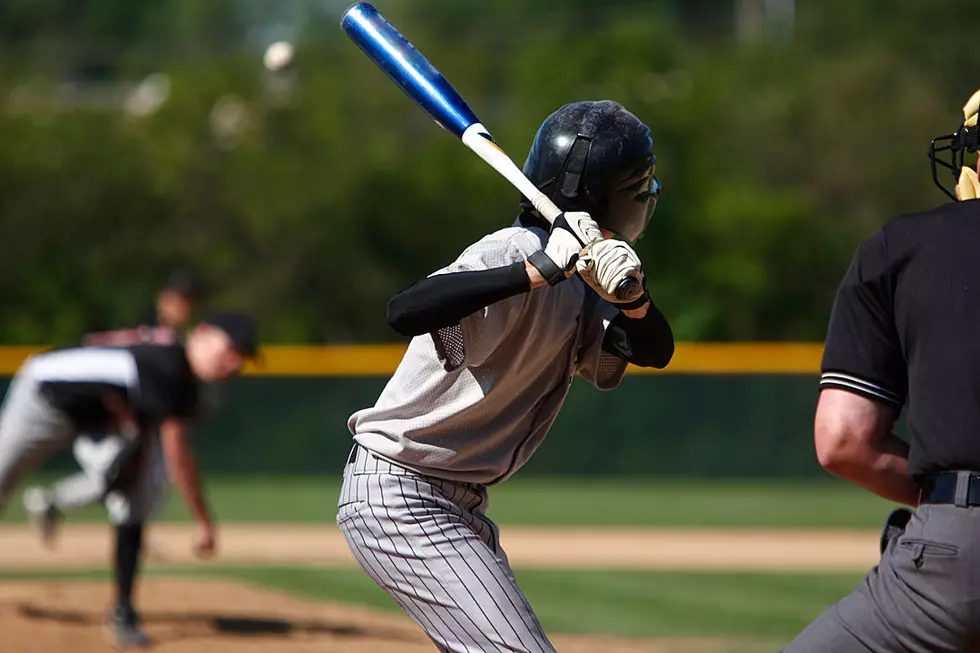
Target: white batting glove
[
  {"x": 569, "y": 234},
  {"x": 605, "y": 264}
]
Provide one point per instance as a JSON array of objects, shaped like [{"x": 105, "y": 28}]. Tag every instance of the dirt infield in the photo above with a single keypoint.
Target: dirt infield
[
  {"x": 211, "y": 616},
  {"x": 205, "y": 616},
  {"x": 85, "y": 546}
]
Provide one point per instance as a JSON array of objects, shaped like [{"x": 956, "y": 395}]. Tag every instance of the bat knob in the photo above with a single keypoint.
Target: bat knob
[{"x": 629, "y": 289}]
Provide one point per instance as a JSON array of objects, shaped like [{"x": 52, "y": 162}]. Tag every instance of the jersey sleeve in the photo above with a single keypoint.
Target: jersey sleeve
[
  {"x": 602, "y": 369},
  {"x": 477, "y": 335},
  {"x": 863, "y": 353}
]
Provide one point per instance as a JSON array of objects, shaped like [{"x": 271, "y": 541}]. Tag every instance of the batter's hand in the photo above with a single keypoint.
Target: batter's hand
[
  {"x": 569, "y": 234},
  {"x": 605, "y": 264},
  {"x": 204, "y": 543}
]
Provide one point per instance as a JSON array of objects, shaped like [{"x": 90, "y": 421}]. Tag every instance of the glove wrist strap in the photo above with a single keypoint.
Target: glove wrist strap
[
  {"x": 636, "y": 303},
  {"x": 547, "y": 267}
]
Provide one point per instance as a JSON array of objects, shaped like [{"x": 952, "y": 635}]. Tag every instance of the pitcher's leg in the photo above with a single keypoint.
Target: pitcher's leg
[
  {"x": 89, "y": 486},
  {"x": 77, "y": 491},
  {"x": 130, "y": 508},
  {"x": 17, "y": 458},
  {"x": 30, "y": 433}
]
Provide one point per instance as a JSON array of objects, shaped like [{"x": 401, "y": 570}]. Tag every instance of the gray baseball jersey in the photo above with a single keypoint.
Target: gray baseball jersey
[{"x": 472, "y": 402}]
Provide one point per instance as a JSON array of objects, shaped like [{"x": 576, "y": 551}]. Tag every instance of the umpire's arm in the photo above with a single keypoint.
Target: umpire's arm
[
  {"x": 864, "y": 381},
  {"x": 854, "y": 440}
]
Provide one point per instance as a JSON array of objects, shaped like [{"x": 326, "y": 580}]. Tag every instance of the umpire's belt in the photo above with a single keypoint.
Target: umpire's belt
[{"x": 958, "y": 488}]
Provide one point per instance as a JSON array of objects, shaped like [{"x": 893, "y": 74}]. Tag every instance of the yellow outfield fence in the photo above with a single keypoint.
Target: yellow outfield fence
[{"x": 381, "y": 360}]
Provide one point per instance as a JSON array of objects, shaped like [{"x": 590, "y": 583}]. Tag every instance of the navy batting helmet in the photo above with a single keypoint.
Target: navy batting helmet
[{"x": 597, "y": 157}]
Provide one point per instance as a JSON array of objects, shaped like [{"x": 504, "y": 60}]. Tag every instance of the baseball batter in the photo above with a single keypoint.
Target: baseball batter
[
  {"x": 139, "y": 396},
  {"x": 498, "y": 336}
]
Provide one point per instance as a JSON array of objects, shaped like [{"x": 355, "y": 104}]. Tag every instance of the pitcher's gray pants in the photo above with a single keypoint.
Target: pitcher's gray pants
[
  {"x": 924, "y": 596},
  {"x": 31, "y": 431},
  {"x": 429, "y": 545},
  {"x": 138, "y": 502}
]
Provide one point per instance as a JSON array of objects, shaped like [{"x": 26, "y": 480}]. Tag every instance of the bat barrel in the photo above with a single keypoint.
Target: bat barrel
[{"x": 406, "y": 66}]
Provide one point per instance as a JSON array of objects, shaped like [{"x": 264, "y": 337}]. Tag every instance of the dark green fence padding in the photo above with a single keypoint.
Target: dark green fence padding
[{"x": 743, "y": 426}]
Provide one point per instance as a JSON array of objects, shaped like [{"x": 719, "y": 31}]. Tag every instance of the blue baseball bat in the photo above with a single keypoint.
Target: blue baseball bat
[
  {"x": 406, "y": 66},
  {"x": 413, "y": 73}
]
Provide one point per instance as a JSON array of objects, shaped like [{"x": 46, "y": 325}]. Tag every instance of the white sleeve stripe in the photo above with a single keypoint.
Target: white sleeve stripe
[
  {"x": 86, "y": 365},
  {"x": 837, "y": 383},
  {"x": 847, "y": 378}
]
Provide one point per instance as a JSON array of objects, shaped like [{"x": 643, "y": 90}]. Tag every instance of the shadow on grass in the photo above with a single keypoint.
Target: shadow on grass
[{"x": 195, "y": 625}]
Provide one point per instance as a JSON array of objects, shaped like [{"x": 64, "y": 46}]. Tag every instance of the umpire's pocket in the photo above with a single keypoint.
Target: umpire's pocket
[
  {"x": 895, "y": 525},
  {"x": 922, "y": 549}
]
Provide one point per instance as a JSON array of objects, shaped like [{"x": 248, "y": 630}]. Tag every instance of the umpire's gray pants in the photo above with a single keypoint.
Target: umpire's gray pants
[
  {"x": 924, "y": 596},
  {"x": 427, "y": 542},
  {"x": 31, "y": 431}
]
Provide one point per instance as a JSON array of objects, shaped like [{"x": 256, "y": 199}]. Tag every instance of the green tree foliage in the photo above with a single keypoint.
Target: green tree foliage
[{"x": 313, "y": 205}]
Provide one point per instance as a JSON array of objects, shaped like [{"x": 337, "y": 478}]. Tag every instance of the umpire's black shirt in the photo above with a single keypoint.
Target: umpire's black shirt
[
  {"x": 156, "y": 382},
  {"x": 905, "y": 330}
]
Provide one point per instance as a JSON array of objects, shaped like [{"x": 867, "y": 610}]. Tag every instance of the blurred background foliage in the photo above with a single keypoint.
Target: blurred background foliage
[{"x": 139, "y": 137}]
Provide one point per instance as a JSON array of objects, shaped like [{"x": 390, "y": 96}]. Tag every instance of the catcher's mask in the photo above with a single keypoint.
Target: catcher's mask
[{"x": 950, "y": 150}]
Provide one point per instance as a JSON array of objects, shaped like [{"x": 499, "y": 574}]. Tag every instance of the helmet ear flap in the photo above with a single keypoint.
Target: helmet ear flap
[{"x": 574, "y": 168}]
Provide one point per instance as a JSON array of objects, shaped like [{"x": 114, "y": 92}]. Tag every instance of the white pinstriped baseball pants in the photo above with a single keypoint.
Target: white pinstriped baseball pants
[{"x": 428, "y": 544}]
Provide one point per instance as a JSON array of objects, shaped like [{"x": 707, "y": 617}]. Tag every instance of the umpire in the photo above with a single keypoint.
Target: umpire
[{"x": 905, "y": 331}]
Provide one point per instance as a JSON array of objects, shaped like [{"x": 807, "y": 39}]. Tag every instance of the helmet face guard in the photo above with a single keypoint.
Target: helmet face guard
[
  {"x": 629, "y": 210},
  {"x": 957, "y": 144}
]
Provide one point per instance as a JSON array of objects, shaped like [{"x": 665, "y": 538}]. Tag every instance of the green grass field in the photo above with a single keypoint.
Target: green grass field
[
  {"x": 567, "y": 502},
  {"x": 625, "y": 604},
  {"x": 756, "y": 611}
]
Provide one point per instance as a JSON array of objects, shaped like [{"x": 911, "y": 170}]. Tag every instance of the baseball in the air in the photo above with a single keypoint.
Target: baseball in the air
[{"x": 278, "y": 55}]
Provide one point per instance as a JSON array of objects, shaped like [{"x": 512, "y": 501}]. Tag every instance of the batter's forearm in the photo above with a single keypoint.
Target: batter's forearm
[
  {"x": 444, "y": 299},
  {"x": 534, "y": 276}
]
